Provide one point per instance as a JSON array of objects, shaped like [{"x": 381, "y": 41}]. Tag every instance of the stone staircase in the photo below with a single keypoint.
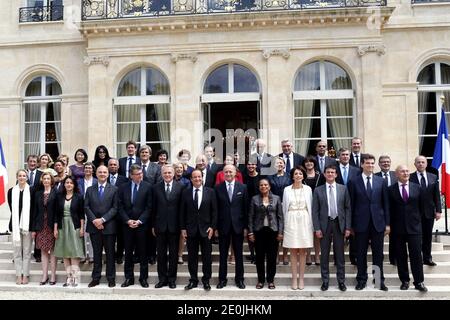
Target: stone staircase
[{"x": 437, "y": 279}]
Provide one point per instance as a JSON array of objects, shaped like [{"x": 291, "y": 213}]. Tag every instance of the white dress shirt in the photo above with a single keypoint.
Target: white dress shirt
[
  {"x": 199, "y": 194},
  {"x": 364, "y": 177},
  {"x": 420, "y": 177}
]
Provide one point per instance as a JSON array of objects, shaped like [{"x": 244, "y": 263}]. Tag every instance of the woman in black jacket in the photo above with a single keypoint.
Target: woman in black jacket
[{"x": 69, "y": 229}]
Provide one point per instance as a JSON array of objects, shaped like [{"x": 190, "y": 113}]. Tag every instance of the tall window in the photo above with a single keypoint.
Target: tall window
[
  {"x": 323, "y": 107},
  {"x": 142, "y": 110},
  {"x": 42, "y": 112},
  {"x": 434, "y": 82}
]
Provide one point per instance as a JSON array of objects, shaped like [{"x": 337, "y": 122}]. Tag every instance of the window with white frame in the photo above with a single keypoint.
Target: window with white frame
[
  {"x": 434, "y": 82},
  {"x": 323, "y": 107},
  {"x": 42, "y": 117},
  {"x": 142, "y": 110}
]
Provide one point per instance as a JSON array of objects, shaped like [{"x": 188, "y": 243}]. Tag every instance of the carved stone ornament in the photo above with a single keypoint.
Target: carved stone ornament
[
  {"x": 184, "y": 56},
  {"x": 97, "y": 60},
  {"x": 267, "y": 53},
  {"x": 380, "y": 49}
]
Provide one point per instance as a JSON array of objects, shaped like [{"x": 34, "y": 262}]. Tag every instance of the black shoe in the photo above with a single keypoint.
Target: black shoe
[
  {"x": 324, "y": 286},
  {"x": 191, "y": 285},
  {"x": 119, "y": 260},
  {"x": 111, "y": 283},
  {"x": 136, "y": 260},
  {"x": 38, "y": 259},
  {"x": 360, "y": 285},
  {"x": 144, "y": 283},
  {"x": 172, "y": 285},
  {"x": 206, "y": 286},
  {"x": 221, "y": 284},
  {"x": 152, "y": 260},
  {"x": 392, "y": 262},
  {"x": 353, "y": 262},
  {"x": 405, "y": 285},
  {"x": 430, "y": 263},
  {"x": 383, "y": 287},
  {"x": 421, "y": 287},
  {"x": 127, "y": 283},
  {"x": 342, "y": 286},
  {"x": 93, "y": 283},
  {"x": 161, "y": 284},
  {"x": 240, "y": 284}
]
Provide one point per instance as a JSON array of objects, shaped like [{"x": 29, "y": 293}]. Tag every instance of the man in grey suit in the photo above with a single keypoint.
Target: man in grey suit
[
  {"x": 331, "y": 213},
  {"x": 100, "y": 205}
]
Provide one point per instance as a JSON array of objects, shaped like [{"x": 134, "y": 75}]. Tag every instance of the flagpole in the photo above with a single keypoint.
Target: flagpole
[{"x": 442, "y": 98}]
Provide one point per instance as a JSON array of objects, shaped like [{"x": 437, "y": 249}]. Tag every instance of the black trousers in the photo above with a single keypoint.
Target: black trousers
[
  {"x": 362, "y": 243},
  {"x": 151, "y": 245},
  {"x": 334, "y": 233},
  {"x": 167, "y": 264},
  {"x": 392, "y": 255},
  {"x": 193, "y": 243},
  {"x": 135, "y": 239},
  {"x": 427, "y": 236},
  {"x": 100, "y": 241},
  {"x": 237, "y": 241},
  {"x": 414, "y": 243},
  {"x": 352, "y": 250},
  {"x": 120, "y": 246},
  {"x": 266, "y": 246}
]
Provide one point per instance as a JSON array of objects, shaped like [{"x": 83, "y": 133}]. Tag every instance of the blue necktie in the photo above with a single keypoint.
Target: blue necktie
[
  {"x": 130, "y": 162},
  {"x": 32, "y": 178},
  {"x": 288, "y": 164},
  {"x": 135, "y": 192},
  {"x": 345, "y": 176},
  {"x": 369, "y": 187},
  {"x": 100, "y": 192}
]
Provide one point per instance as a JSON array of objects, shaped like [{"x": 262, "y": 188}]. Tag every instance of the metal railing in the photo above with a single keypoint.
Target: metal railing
[
  {"x": 115, "y": 9},
  {"x": 41, "y": 13}
]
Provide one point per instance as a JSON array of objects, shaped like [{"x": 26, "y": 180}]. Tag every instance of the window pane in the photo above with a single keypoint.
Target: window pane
[
  {"x": 53, "y": 111},
  {"x": 50, "y": 132},
  {"x": 34, "y": 88},
  {"x": 340, "y": 108},
  {"x": 127, "y": 132},
  {"x": 244, "y": 80},
  {"x": 335, "y": 77},
  {"x": 445, "y": 73},
  {"x": 52, "y": 149},
  {"x": 33, "y": 148},
  {"x": 130, "y": 85},
  {"x": 306, "y": 147},
  {"x": 158, "y": 132},
  {"x": 156, "y": 83},
  {"x": 308, "y": 77},
  {"x": 339, "y": 128},
  {"x": 427, "y": 146},
  {"x": 312, "y": 124},
  {"x": 32, "y": 132},
  {"x": 426, "y": 76},
  {"x": 32, "y": 112},
  {"x": 339, "y": 143},
  {"x": 427, "y": 101},
  {"x": 427, "y": 124},
  {"x": 307, "y": 108},
  {"x": 52, "y": 87},
  {"x": 217, "y": 81},
  {"x": 157, "y": 112},
  {"x": 121, "y": 150},
  {"x": 128, "y": 113}
]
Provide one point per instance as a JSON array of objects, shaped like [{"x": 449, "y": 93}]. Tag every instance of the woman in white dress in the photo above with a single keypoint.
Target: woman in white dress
[{"x": 298, "y": 227}]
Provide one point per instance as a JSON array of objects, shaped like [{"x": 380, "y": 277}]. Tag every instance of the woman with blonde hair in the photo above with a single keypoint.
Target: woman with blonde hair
[
  {"x": 45, "y": 162},
  {"x": 19, "y": 200}
]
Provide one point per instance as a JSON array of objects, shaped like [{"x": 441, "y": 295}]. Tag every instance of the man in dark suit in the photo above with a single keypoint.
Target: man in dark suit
[
  {"x": 34, "y": 178},
  {"x": 384, "y": 162},
  {"x": 135, "y": 201},
  {"x": 345, "y": 172},
  {"x": 370, "y": 219},
  {"x": 232, "y": 224},
  {"x": 430, "y": 183},
  {"x": 117, "y": 180},
  {"x": 291, "y": 159},
  {"x": 264, "y": 164},
  {"x": 208, "y": 176},
  {"x": 356, "y": 155},
  {"x": 322, "y": 160},
  {"x": 166, "y": 226},
  {"x": 407, "y": 209},
  {"x": 331, "y": 213},
  {"x": 211, "y": 165},
  {"x": 198, "y": 219},
  {"x": 131, "y": 158},
  {"x": 100, "y": 206}
]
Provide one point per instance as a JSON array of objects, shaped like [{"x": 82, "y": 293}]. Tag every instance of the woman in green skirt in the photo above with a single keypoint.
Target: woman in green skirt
[{"x": 69, "y": 229}]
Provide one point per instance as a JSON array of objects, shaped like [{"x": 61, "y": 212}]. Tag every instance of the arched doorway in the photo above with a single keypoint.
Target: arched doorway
[{"x": 231, "y": 104}]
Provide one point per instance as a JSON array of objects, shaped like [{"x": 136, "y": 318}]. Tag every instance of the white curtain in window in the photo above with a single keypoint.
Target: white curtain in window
[
  {"x": 163, "y": 113},
  {"x": 32, "y": 133},
  {"x": 424, "y": 98},
  {"x": 340, "y": 127},
  {"x": 57, "y": 116},
  {"x": 303, "y": 109},
  {"x": 128, "y": 131}
]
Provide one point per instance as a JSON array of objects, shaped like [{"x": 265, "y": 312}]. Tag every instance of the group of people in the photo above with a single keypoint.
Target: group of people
[{"x": 150, "y": 209}]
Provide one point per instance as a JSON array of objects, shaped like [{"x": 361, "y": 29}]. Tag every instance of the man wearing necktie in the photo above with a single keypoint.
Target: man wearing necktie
[
  {"x": 370, "y": 220},
  {"x": 356, "y": 155},
  {"x": 430, "y": 184},
  {"x": 323, "y": 161},
  {"x": 406, "y": 201},
  {"x": 345, "y": 172},
  {"x": 291, "y": 159},
  {"x": 34, "y": 177},
  {"x": 131, "y": 158}
]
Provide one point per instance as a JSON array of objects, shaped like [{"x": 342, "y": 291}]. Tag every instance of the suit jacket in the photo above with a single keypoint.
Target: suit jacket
[
  {"x": 328, "y": 162},
  {"x": 193, "y": 219},
  {"x": 123, "y": 165},
  {"x": 364, "y": 208},
  {"x": 81, "y": 185},
  {"x": 37, "y": 179},
  {"x": 298, "y": 159},
  {"x": 105, "y": 208},
  {"x": 166, "y": 210},
  {"x": 232, "y": 214},
  {"x": 257, "y": 213},
  {"x": 215, "y": 167},
  {"x": 152, "y": 173},
  {"x": 352, "y": 173},
  {"x": 352, "y": 159},
  {"x": 432, "y": 196},
  {"x": 320, "y": 208},
  {"x": 406, "y": 217},
  {"x": 76, "y": 209},
  {"x": 264, "y": 166},
  {"x": 391, "y": 175},
  {"x": 119, "y": 181},
  {"x": 38, "y": 210},
  {"x": 140, "y": 210}
]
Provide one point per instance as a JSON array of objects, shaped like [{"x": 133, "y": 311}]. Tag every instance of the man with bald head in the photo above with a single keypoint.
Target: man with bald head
[
  {"x": 322, "y": 159},
  {"x": 406, "y": 202},
  {"x": 430, "y": 184},
  {"x": 232, "y": 224}
]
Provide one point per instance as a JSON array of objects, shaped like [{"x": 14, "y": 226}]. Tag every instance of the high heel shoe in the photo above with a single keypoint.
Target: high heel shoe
[
  {"x": 68, "y": 281},
  {"x": 294, "y": 284},
  {"x": 52, "y": 283},
  {"x": 43, "y": 282},
  {"x": 301, "y": 285}
]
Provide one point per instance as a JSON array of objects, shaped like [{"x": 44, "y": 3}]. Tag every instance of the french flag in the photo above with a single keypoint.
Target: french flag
[
  {"x": 3, "y": 175},
  {"x": 441, "y": 158}
]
